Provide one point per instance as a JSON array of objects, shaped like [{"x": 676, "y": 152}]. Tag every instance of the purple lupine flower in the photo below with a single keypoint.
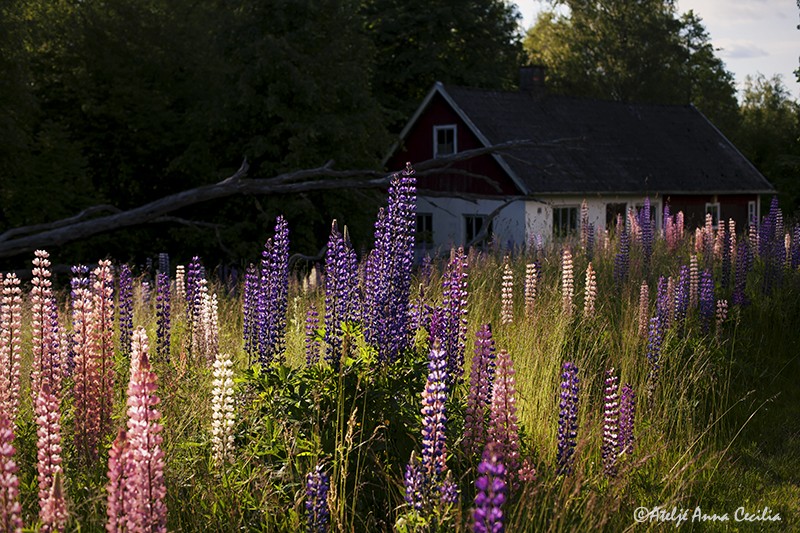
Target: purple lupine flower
[
  {"x": 162, "y": 315},
  {"x": 646, "y": 224},
  {"x": 434, "y": 419},
  {"x": 317, "y": 485},
  {"x": 448, "y": 490},
  {"x": 611, "y": 414},
  {"x": 681, "y": 297},
  {"x": 655, "y": 340},
  {"x": 487, "y": 516},
  {"x": 454, "y": 306},
  {"x": 273, "y": 295},
  {"x": 125, "y": 308},
  {"x": 706, "y": 301},
  {"x": 503, "y": 425},
  {"x": 481, "y": 375},
  {"x": 415, "y": 484},
  {"x": 743, "y": 265},
  {"x": 663, "y": 303},
  {"x": 312, "y": 343},
  {"x": 627, "y": 417},
  {"x": 726, "y": 256},
  {"x": 250, "y": 311},
  {"x": 622, "y": 259},
  {"x": 766, "y": 232},
  {"x": 388, "y": 270},
  {"x": 193, "y": 276},
  {"x": 341, "y": 292},
  {"x": 568, "y": 418},
  {"x": 10, "y": 509}
]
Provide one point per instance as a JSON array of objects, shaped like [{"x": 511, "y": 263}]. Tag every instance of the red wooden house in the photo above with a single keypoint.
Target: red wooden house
[{"x": 611, "y": 154}]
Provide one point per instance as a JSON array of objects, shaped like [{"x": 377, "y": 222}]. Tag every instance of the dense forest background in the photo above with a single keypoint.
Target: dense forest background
[{"x": 118, "y": 102}]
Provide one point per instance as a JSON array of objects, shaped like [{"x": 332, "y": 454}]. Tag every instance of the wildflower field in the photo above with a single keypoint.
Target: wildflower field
[{"x": 620, "y": 380}]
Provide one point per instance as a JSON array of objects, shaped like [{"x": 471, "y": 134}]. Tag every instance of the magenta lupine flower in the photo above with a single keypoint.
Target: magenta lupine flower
[
  {"x": 610, "y": 448},
  {"x": 250, "y": 311},
  {"x": 706, "y": 301},
  {"x": 627, "y": 417},
  {"x": 162, "y": 316},
  {"x": 454, "y": 318},
  {"x": 273, "y": 296},
  {"x": 10, "y": 345},
  {"x": 317, "y": 485},
  {"x": 125, "y": 308},
  {"x": 341, "y": 292},
  {"x": 116, "y": 498},
  {"x": 481, "y": 376},
  {"x": 507, "y": 294},
  {"x": 487, "y": 516},
  {"x": 503, "y": 425},
  {"x": 145, "y": 509},
  {"x": 568, "y": 418},
  {"x": 10, "y": 509},
  {"x": 312, "y": 343},
  {"x": 434, "y": 419},
  {"x": 52, "y": 507},
  {"x": 622, "y": 259}
]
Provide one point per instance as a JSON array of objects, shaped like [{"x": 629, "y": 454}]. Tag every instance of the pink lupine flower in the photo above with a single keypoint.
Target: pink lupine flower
[
  {"x": 86, "y": 373},
  {"x": 694, "y": 281},
  {"x": 103, "y": 336},
  {"x": 503, "y": 425},
  {"x": 10, "y": 510},
  {"x": 590, "y": 292},
  {"x": 10, "y": 345},
  {"x": 531, "y": 279},
  {"x": 117, "y": 496},
  {"x": 45, "y": 353},
  {"x": 610, "y": 448},
  {"x": 567, "y": 286},
  {"x": 644, "y": 309},
  {"x": 52, "y": 508},
  {"x": 481, "y": 375}
]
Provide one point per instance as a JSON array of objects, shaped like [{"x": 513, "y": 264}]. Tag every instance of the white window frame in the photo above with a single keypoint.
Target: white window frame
[
  {"x": 444, "y": 127},
  {"x": 715, "y": 220}
]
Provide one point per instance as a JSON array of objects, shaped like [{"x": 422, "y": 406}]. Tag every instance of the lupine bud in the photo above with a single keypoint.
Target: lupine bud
[
  {"x": 622, "y": 258},
  {"x": 163, "y": 332},
  {"x": 454, "y": 317},
  {"x": 655, "y": 339},
  {"x": 312, "y": 344}
]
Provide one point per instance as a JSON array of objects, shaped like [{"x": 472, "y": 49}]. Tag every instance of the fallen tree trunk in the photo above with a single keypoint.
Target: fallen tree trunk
[{"x": 29, "y": 238}]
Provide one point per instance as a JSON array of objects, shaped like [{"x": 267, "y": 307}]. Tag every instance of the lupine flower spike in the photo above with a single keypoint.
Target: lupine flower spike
[
  {"x": 487, "y": 516},
  {"x": 10, "y": 345},
  {"x": 222, "y": 410},
  {"x": 480, "y": 391},
  {"x": 317, "y": 485},
  {"x": 568, "y": 418},
  {"x": 567, "y": 286},
  {"x": 627, "y": 416},
  {"x": 125, "y": 308},
  {"x": 644, "y": 308},
  {"x": 52, "y": 507},
  {"x": 590, "y": 292},
  {"x": 503, "y": 425},
  {"x": 507, "y": 295},
  {"x": 10, "y": 510},
  {"x": 103, "y": 338},
  {"x": 610, "y": 425},
  {"x": 531, "y": 278}
]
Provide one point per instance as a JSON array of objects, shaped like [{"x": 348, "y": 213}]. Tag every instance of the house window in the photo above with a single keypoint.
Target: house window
[
  {"x": 752, "y": 213},
  {"x": 714, "y": 210},
  {"x": 445, "y": 141},
  {"x": 565, "y": 221},
  {"x": 424, "y": 235},
  {"x": 473, "y": 224},
  {"x": 613, "y": 211}
]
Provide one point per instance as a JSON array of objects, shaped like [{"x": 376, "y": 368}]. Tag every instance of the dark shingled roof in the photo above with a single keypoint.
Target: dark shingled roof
[{"x": 607, "y": 146}]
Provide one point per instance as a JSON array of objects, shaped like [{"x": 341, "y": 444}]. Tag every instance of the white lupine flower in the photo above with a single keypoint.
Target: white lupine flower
[{"x": 223, "y": 417}]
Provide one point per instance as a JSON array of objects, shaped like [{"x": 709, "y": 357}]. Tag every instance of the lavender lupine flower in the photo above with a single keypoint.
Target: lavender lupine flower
[
  {"x": 10, "y": 345},
  {"x": 531, "y": 279},
  {"x": 317, "y": 485},
  {"x": 454, "y": 315},
  {"x": 434, "y": 418},
  {"x": 706, "y": 301},
  {"x": 341, "y": 292},
  {"x": 273, "y": 296},
  {"x": 193, "y": 276},
  {"x": 503, "y": 425},
  {"x": 79, "y": 289},
  {"x": 738, "y": 296},
  {"x": 611, "y": 414},
  {"x": 567, "y": 283},
  {"x": 448, "y": 490},
  {"x": 415, "y": 484},
  {"x": 125, "y": 308},
  {"x": 681, "y": 298},
  {"x": 115, "y": 488},
  {"x": 507, "y": 294},
  {"x": 52, "y": 507},
  {"x": 590, "y": 292},
  {"x": 568, "y": 418},
  {"x": 312, "y": 343},
  {"x": 644, "y": 308},
  {"x": 250, "y": 311},
  {"x": 162, "y": 316},
  {"x": 145, "y": 509},
  {"x": 627, "y": 417},
  {"x": 487, "y": 516},
  {"x": 388, "y": 270},
  {"x": 10, "y": 509},
  {"x": 655, "y": 340},
  {"x": 646, "y": 224},
  {"x": 223, "y": 416},
  {"x": 694, "y": 280},
  {"x": 481, "y": 376},
  {"x": 622, "y": 259}
]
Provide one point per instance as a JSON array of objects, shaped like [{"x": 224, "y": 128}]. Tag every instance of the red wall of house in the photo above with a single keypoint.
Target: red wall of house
[
  {"x": 694, "y": 207},
  {"x": 418, "y": 146}
]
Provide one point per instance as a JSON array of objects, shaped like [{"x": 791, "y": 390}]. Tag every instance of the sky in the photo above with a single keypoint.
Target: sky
[{"x": 754, "y": 36}]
